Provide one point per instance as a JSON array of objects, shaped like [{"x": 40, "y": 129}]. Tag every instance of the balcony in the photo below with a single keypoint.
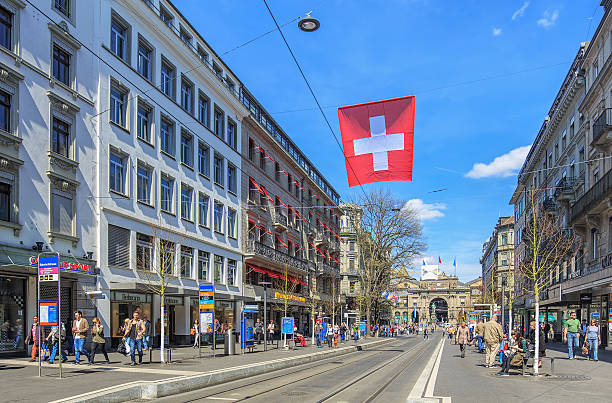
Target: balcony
[
  {"x": 549, "y": 204},
  {"x": 321, "y": 238},
  {"x": 565, "y": 189},
  {"x": 258, "y": 249},
  {"x": 602, "y": 128},
  {"x": 593, "y": 196},
  {"x": 325, "y": 268},
  {"x": 280, "y": 222}
]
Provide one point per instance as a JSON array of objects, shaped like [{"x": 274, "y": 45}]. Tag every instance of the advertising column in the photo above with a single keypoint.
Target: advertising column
[{"x": 207, "y": 313}]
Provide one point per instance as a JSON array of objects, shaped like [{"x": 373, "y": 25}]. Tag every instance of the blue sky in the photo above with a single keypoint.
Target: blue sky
[{"x": 371, "y": 50}]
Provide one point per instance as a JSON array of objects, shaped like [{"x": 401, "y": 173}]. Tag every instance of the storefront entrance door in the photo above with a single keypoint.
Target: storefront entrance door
[{"x": 171, "y": 324}]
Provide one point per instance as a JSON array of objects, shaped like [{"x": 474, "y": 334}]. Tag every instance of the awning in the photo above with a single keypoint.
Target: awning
[{"x": 271, "y": 273}]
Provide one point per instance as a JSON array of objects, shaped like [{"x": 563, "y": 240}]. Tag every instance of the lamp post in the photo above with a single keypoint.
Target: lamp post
[
  {"x": 503, "y": 292},
  {"x": 265, "y": 324},
  {"x": 308, "y": 23}
]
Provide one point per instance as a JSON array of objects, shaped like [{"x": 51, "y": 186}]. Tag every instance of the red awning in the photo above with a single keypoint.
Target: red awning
[
  {"x": 294, "y": 280},
  {"x": 302, "y": 283},
  {"x": 271, "y": 273},
  {"x": 281, "y": 241}
]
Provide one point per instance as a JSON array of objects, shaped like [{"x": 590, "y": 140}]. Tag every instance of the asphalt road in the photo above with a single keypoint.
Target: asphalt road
[{"x": 383, "y": 374}]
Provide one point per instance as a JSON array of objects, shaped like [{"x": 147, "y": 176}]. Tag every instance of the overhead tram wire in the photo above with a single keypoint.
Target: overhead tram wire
[{"x": 348, "y": 163}]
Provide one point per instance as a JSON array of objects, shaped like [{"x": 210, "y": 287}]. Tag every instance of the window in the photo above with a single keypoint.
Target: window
[
  {"x": 144, "y": 251},
  {"x": 203, "y": 210},
  {"x": 166, "y": 257},
  {"x": 167, "y": 193},
  {"x": 202, "y": 54},
  {"x": 165, "y": 16},
  {"x": 277, "y": 171},
  {"x": 230, "y": 84},
  {"x": 144, "y": 185},
  {"x": 231, "y": 223},
  {"x": 218, "y": 123},
  {"x": 251, "y": 149},
  {"x": 203, "y": 159},
  {"x": 186, "y": 261},
  {"x": 118, "y": 246},
  {"x": 218, "y": 269},
  {"x": 203, "y": 109},
  {"x": 143, "y": 130},
  {"x": 145, "y": 60},
  {"x": 119, "y": 38},
  {"x": 231, "y": 178},
  {"x": 6, "y": 28},
  {"x": 5, "y": 111},
  {"x": 166, "y": 133},
  {"x": 186, "y": 198},
  {"x": 187, "y": 96},
  {"x": 231, "y": 272},
  {"x": 167, "y": 79},
  {"x": 218, "y": 169},
  {"x": 63, "y": 6},
  {"x": 218, "y": 217},
  {"x": 187, "y": 149},
  {"x": 117, "y": 173},
  {"x": 289, "y": 183},
  {"x": 185, "y": 36},
  {"x": 263, "y": 196},
  {"x": 351, "y": 263},
  {"x": 61, "y": 138},
  {"x": 504, "y": 239},
  {"x": 61, "y": 65},
  {"x": 217, "y": 70},
  {"x": 262, "y": 159},
  {"x": 6, "y": 201},
  {"x": 232, "y": 137},
  {"x": 118, "y": 106},
  {"x": 352, "y": 246},
  {"x": 203, "y": 262}
]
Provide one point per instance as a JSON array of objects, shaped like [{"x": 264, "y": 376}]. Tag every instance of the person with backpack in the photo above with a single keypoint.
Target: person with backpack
[
  {"x": 97, "y": 341},
  {"x": 55, "y": 338}
]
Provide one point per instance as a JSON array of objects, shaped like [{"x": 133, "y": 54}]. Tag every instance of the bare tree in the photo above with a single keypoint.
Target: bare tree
[
  {"x": 332, "y": 304},
  {"x": 389, "y": 235},
  {"x": 547, "y": 246}
]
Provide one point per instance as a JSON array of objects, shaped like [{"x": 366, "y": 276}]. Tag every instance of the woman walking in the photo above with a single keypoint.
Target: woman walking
[
  {"x": 97, "y": 341},
  {"x": 195, "y": 331},
  {"x": 462, "y": 338},
  {"x": 594, "y": 340},
  {"x": 271, "y": 332}
]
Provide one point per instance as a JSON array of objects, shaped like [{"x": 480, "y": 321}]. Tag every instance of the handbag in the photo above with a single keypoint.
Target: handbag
[
  {"x": 192, "y": 331},
  {"x": 585, "y": 348}
]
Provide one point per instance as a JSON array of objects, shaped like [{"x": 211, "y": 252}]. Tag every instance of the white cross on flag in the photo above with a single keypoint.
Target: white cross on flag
[{"x": 378, "y": 138}]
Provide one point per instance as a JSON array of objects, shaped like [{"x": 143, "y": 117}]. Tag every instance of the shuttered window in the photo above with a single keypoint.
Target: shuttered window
[
  {"x": 61, "y": 205},
  {"x": 118, "y": 246}
]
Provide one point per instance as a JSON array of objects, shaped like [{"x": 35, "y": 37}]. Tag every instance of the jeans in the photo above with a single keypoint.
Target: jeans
[
  {"x": 135, "y": 344},
  {"x": 480, "y": 343},
  {"x": 506, "y": 361},
  {"x": 593, "y": 347},
  {"x": 462, "y": 349},
  {"x": 54, "y": 351},
  {"x": 572, "y": 341},
  {"x": 318, "y": 337},
  {"x": 78, "y": 349},
  {"x": 94, "y": 348}
]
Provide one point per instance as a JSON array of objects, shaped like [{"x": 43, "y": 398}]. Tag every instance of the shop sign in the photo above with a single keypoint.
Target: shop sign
[
  {"x": 595, "y": 315},
  {"x": 586, "y": 298},
  {"x": 290, "y": 297},
  {"x": 174, "y": 301},
  {"x": 128, "y": 297},
  {"x": 67, "y": 266}
]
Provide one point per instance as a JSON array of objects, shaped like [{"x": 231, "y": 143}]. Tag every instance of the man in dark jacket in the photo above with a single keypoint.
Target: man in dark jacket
[{"x": 542, "y": 343}]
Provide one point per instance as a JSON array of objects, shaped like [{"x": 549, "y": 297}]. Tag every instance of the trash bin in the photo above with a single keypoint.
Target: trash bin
[{"x": 229, "y": 347}]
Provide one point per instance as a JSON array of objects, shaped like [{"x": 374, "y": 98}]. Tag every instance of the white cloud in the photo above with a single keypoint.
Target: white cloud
[
  {"x": 425, "y": 211},
  {"x": 496, "y": 31},
  {"x": 548, "y": 19},
  {"x": 502, "y": 166},
  {"x": 521, "y": 11}
]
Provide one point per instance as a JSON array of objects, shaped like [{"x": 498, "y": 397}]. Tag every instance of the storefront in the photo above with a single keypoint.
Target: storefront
[
  {"x": 12, "y": 314},
  {"x": 123, "y": 305}
]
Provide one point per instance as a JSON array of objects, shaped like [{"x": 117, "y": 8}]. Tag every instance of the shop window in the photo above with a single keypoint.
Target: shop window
[
  {"x": 118, "y": 246},
  {"x": 12, "y": 311}
]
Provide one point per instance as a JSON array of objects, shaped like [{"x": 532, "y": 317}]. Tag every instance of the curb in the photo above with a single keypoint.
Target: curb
[{"x": 181, "y": 384}]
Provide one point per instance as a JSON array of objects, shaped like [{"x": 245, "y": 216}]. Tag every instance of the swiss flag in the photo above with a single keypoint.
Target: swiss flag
[{"x": 378, "y": 139}]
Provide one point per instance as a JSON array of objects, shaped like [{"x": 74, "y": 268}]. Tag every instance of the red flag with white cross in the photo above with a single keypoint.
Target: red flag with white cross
[{"x": 378, "y": 139}]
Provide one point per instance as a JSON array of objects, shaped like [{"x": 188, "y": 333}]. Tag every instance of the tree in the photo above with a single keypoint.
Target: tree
[
  {"x": 547, "y": 245},
  {"x": 332, "y": 304},
  {"x": 287, "y": 289},
  {"x": 389, "y": 235}
]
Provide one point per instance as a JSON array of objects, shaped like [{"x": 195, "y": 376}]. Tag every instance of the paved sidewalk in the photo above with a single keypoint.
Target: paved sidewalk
[
  {"x": 26, "y": 386},
  {"x": 467, "y": 380}
]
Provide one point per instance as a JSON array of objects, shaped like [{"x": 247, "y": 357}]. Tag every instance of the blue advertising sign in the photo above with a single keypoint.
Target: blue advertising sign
[
  {"x": 48, "y": 261},
  {"x": 362, "y": 327},
  {"x": 287, "y": 326},
  {"x": 48, "y": 312}
]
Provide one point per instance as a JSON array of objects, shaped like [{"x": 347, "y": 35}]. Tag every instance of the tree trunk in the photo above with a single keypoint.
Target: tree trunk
[
  {"x": 368, "y": 323},
  {"x": 509, "y": 319},
  {"x": 537, "y": 334},
  {"x": 163, "y": 333},
  {"x": 313, "y": 328}
]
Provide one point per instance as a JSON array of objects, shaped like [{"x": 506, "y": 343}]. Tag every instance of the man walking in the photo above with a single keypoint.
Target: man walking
[
  {"x": 55, "y": 337},
  {"x": 32, "y": 338},
  {"x": 146, "y": 336},
  {"x": 80, "y": 328},
  {"x": 258, "y": 331},
  {"x": 492, "y": 335},
  {"x": 462, "y": 338},
  {"x": 479, "y": 339},
  {"x": 318, "y": 329},
  {"x": 133, "y": 333},
  {"x": 570, "y": 334}
]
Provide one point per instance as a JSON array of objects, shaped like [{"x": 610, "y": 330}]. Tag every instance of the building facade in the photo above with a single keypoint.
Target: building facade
[
  {"x": 350, "y": 259},
  {"x": 498, "y": 263}
]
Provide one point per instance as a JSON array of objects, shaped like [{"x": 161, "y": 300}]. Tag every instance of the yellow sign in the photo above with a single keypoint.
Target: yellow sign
[{"x": 289, "y": 297}]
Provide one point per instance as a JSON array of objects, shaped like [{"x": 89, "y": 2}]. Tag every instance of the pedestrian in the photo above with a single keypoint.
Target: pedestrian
[
  {"x": 516, "y": 345},
  {"x": 492, "y": 335},
  {"x": 55, "y": 338},
  {"x": 258, "y": 331},
  {"x": 271, "y": 331},
  {"x": 97, "y": 341},
  {"x": 462, "y": 338},
  {"x": 318, "y": 329},
  {"x": 330, "y": 335},
  {"x": 479, "y": 332},
  {"x": 593, "y": 340},
  {"x": 80, "y": 328},
  {"x": 32, "y": 338},
  {"x": 570, "y": 334},
  {"x": 583, "y": 330},
  {"x": 342, "y": 332},
  {"x": 195, "y": 331},
  {"x": 542, "y": 344},
  {"x": 425, "y": 335},
  {"x": 157, "y": 331},
  {"x": 546, "y": 331},
  {"x": 133, "y": 335},
  {"x": 355, "y": 332},
  {"x": 146, "y": 336}
]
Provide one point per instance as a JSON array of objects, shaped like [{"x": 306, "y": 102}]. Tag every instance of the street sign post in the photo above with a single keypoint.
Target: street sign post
[
  {"x": 207, "y": 313},
  {"x": 286, "y": 328},
  {"x": 49, "y": 312}
]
